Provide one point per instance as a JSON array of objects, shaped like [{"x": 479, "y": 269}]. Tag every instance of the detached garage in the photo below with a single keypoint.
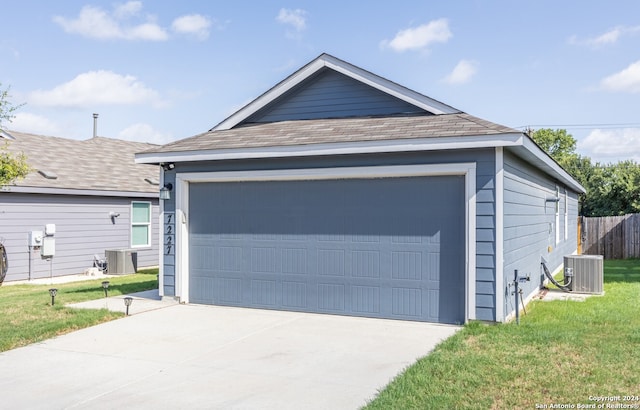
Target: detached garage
[{"x": 340, "y": 192}]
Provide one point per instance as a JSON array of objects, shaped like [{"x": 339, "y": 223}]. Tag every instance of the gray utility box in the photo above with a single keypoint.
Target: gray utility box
[
  {"x": 121, "y": 261},
  {"x": 587, "y": 273}
]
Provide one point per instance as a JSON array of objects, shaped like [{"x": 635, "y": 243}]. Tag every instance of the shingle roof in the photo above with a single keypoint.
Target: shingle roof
[
  {"x": 99, "y": 164},
  {"x": 322, "y": 131}
]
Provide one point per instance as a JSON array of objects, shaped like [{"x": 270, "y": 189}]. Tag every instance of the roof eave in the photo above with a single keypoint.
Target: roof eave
[
  {"x": 518, "y": 141},
  {"x": 545, "y": 162},
  {"x": 342, "y": 148},
  {"x": 77, "y": 192}
]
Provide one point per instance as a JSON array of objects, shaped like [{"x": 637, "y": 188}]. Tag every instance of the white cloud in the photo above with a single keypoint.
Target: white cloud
[
  {"x": 142, "y": 132},
  {"x": 612, "y": 145},
  {"x": 627, "y": 80},
  {"x": 193, "y": 24},
  {"x": 462, "y": 72},
  {"x": 296, "y": 18},
  {"x": 34, "y": 124},
  {"x": 127, "y": 10},
  {"x": 97, "y": 87},
  {"x": 421, "y": 37},
  {"x": 95, "y": 22},
  {"x": 610, "y": 37}
]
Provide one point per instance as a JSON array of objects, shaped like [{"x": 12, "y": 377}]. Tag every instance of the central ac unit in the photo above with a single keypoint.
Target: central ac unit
[
  {"x": 121, "y": 261},
  {"x": 587, "y": 273}
]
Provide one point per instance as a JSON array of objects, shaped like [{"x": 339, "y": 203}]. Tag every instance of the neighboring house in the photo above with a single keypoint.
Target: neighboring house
[
  {"x": 338, "y": 191},
  {"x": 93, "y": 192}
]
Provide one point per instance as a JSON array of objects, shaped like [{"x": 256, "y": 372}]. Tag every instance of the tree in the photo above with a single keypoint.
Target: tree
[
  {"x": 612, "y": 189},
  {"x": 12, "y": 167},
  {"x": 559, "y": 144}
]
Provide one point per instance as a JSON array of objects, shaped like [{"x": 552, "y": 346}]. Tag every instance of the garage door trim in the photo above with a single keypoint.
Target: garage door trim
[{"x": 466, "y": 169}]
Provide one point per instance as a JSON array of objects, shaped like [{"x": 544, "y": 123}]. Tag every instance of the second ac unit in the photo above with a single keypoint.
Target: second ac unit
[{"x": 121, "y": 261}]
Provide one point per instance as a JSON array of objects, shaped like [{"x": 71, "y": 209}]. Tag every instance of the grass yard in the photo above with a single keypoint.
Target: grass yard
[
  {"x": 562, "y": 353},
  {"x": 26, "y": 314}
]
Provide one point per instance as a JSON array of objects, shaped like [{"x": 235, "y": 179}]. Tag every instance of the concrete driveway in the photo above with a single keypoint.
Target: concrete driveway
[{"x": 208, "y": 357}]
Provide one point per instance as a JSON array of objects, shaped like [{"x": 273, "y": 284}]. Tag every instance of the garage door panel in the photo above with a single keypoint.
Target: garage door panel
[
  {"x": 406, "y": 302},
  {"x": 376, "y": 248},
  {"x": 365, "y": 264},
  {"x": 295, "y": 261}
]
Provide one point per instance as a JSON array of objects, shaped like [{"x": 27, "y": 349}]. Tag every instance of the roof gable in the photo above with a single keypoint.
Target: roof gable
[
  {"x": 330, "y": 94},
  {"x": 314, "y": 75}
]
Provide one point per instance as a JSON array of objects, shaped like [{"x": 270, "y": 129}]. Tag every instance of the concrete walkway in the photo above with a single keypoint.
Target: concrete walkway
[
  {"x": 142, "y": 302},
  {"x": 208, "y": 357}
]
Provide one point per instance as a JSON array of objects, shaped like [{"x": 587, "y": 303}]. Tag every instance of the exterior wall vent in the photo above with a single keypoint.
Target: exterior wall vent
[
  {"x": 48, "y": 174},
  {"x": 587, "y": 273},
  {"x": 6, "y": 135},
  {"x": 121, "y": 261}
]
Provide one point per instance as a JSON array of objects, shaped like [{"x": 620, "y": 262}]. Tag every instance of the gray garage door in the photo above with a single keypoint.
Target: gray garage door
[{"x": 388, "y": 248}]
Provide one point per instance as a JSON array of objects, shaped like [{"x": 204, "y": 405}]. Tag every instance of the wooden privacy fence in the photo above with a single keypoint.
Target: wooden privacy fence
[{"x": 614, "y": 237}]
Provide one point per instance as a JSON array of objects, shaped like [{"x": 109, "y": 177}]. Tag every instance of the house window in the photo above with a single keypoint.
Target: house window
[{"x": 140, "y": 224}]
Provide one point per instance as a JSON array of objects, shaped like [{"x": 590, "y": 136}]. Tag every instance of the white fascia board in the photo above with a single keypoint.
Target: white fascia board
[
  {"x": 389, "y": 87},
  {"x": 269, "y": 96},
  {"x": 83, "y": 192},
  {"x": 550, "y": 163},
  {"x": 363, "y": 147}
]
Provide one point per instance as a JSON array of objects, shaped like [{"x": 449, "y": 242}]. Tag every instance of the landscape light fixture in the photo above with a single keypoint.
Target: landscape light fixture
[
  {"x": 105, "y": 286},
  {"x": 127, "y": 303},
  {"x": 165, "y": 191},
  {"x": 53, "y": 292}
]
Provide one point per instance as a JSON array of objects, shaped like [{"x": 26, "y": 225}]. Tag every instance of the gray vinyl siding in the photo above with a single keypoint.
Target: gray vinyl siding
[
  {"x": 485, "y": 242},
  {"x": 83, "y": 229},
  {"x": 485, "y": 202},
  {"x": 530, "y": 225},
  {"x": 333, "y": 95}
]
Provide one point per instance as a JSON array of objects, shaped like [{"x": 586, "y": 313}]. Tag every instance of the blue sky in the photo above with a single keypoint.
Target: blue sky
[{"x": 158, "y": 71}]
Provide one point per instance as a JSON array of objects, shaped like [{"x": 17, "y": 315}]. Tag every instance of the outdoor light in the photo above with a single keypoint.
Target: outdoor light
[
  {"x": 53, "y": 292},
  {"x": 165, "y": 191},
  {"x": 105, "y": 286},
  {"x": 127, "y": 303}
]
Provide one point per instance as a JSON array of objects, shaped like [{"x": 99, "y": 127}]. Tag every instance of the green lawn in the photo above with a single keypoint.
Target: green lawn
[
  {"x": 563, "y": 352},
  {"x": 26, "y": 314}
]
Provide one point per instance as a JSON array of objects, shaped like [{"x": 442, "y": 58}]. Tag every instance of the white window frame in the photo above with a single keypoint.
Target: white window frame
[
  {"x": 557, "y": 215},
  {"x": 148, "y": 224},
  {"x": 566, "y": 215}
]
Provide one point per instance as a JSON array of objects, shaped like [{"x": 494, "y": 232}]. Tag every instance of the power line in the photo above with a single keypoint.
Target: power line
[{"x": 582, "y": 126}]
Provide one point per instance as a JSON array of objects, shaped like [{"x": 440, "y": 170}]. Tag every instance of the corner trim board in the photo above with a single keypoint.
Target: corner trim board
[{"x": 499, "y": 201}]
